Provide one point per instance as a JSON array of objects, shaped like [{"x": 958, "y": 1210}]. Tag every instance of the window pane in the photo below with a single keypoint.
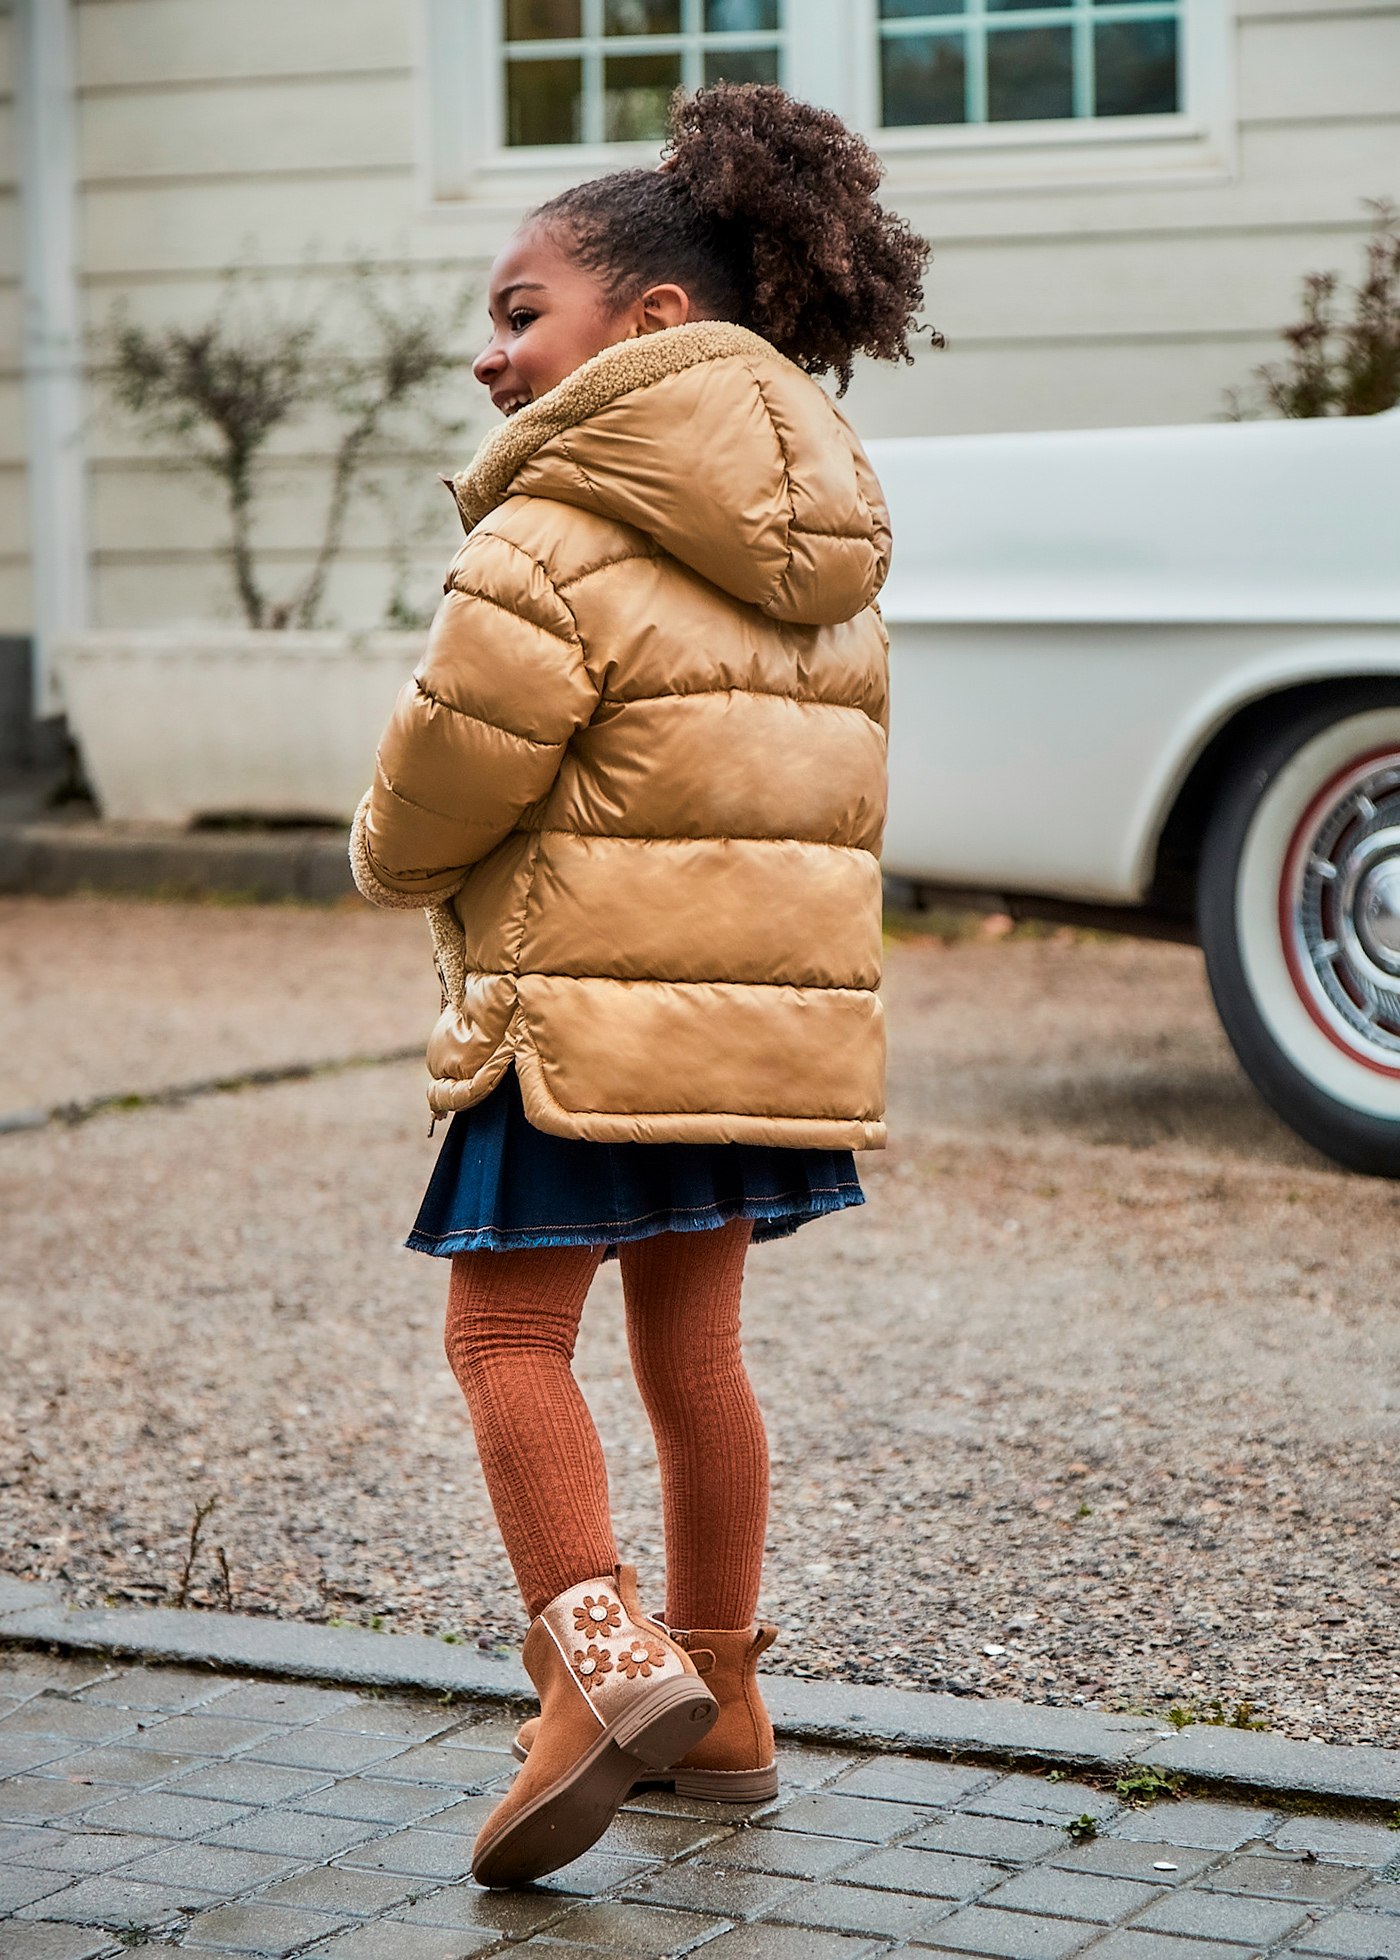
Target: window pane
[
  {"x": 742, "y": 65},
  {"x": 1135, "y": 68},
  {"x": 1030, "y": 74},
  {"x": 642, "y": 17},
  {"x": 741, "y": 16},
  {"x": 542, "y": 20},
  {"x": 1009, "y": 6},
  {"x": 918, "y": 9},
  {"x": 922, "y": 80},
  {"x": 636, "y": 90},
  {"x": 544, "y": 102}
]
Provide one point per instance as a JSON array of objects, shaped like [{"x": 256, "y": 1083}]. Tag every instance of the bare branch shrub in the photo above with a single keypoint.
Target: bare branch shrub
[
  {"x": 1340, "y": 365},
  {"x": 223, "y": 389}
]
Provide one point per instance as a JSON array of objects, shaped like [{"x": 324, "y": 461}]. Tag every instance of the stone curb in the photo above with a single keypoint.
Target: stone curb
[
  {"x": 54, "y": 858},
  {"x": 805, "y": 1711}
]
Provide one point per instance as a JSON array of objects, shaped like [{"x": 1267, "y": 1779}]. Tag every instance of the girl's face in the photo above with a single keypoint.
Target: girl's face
[{"x": 549, "y": 316}]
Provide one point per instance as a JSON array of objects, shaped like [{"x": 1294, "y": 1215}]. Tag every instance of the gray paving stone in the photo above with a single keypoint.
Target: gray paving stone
[
  {"x": 112, "y": 1899},
  {"x": 41, "y": 1798},
  {"x": 1357, "y": 1935},
  {"x": 867, "y": 1818},
  {"x": 243, "y": 1782},
  {"x": 1383, "y": 1897},
  {"x": 286, "y": 1701},
  {"x": 21, "y": 1885},
  {"x": 1275, "y": 1762},
  {"x": 591, "y": 1875},
  {"x": 1284, "y": 1878},
  {"x": 792, "y": 1854},
  {"x": 803, "y": 1766},
  {"x": 252, "y": 1927},
  {"x": 932, "y": 1874},
  {"x": 1033, "y": 1799},
  {"x": 909, "y": 1779},
  {"x": 1221, "y": 1916},
  {"x": 641, "y": 1932},
  {"x": 634, "y": 1834},
  {"x": 335, "y": 1888},
  {"x": 19, "y": 1753},
  {"x": 467, "y": 1815},
  {"x": 728, "y": 1891},
  {"x": 168, "y": 1688},
  {"x": 85, "y": 1851},
  {"x": 467, "y": 1908},
  {"x": 407, "y": 1721},
  {"x": 390, "y": 1939},
  {"x": 137, "y": 1769},
  {"x": 433, "y": 1762},
  {"x": 159, "y": 1814},
  {"x": 1129, "y": 1944},
  {"x": 37, "y": 1940},
  {"x": 1072, "y": 1895},
  {"x": 1369, "y": 1845},
  {"x": 371, "y": 1799},
  {"x": 208, "y": 1868},
  {"x": 1127, "y": 1858},
  {"x": 857, "y": 1909},
  {"x": 990, "y": 1837},
  {"x": 84, "y": 1721},
  {"x": 293, "y": 1834},
  {"x": 340, "y": 1750},
  {"x": 1203, "y": 1826},
  {"x": 202, "y": 1734},
  {"x": 1010, "y": 1935},
  {"x": 425, "y": 1854},
  {"x": 765, "y": 1942}
]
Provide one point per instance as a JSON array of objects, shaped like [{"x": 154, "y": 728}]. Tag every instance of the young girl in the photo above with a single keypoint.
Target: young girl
[{"x": 638, "y": 781}]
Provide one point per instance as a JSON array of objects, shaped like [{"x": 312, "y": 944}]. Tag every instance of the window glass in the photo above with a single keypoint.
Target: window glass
[
  {"x": 1030, "y": 74},
  {"x": 642, "y": 17},
  {"x": 543, "y": 20},
  {"x": 544, "y": 101},
  {"x": 1135, "y": 68},
  {"x": 923, "y": 79},
  {"x": 952, "y": 61},
  {"x": 742, "y": 65},
  {"x": 741, "y": 16},
  {"x": 636, "y": 90}
]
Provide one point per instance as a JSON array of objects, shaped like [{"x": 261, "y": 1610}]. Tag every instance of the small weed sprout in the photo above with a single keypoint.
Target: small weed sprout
[
  {"x": 1145, "y": 1784},
  {"x": 1082, "y": 1828},
  {"x": 1214, "y": 1716}
]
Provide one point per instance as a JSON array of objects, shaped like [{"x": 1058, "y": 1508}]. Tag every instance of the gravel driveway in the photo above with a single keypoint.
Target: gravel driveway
[{"x": 1097, "y": 1399}]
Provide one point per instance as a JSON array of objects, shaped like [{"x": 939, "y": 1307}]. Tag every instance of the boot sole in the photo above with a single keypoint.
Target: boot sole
[
  {"x": 714, "y": 1785},
  {"x": 567, "y": 1819}
]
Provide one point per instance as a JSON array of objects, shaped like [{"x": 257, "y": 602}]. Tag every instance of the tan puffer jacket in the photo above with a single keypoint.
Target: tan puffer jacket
[{"x": 644, "y": 757}]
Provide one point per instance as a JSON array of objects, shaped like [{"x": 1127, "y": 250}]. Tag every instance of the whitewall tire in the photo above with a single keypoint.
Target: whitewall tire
[{"x": 1299, "y": 913}]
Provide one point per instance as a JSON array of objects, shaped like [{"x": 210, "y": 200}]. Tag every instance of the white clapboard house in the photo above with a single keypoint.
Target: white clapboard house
[{"x": 1123, "y": 197}]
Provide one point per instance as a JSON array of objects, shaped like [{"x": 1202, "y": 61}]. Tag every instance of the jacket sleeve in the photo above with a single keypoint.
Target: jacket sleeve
[{"x": 478, "y": 734}]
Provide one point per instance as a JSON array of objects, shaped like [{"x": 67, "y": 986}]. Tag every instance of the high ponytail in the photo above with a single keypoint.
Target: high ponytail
[{"x": 765, "y": 212}]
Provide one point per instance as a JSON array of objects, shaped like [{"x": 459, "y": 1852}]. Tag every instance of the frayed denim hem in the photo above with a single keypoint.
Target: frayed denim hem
[{"x": 774, "y": 1218}]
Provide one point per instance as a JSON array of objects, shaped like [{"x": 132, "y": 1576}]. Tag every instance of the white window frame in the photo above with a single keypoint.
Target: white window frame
[{"x": 830, "y": 54}]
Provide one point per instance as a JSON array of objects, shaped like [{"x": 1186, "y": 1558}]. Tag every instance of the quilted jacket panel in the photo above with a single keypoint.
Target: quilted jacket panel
[{"x": 639, "y": 776}]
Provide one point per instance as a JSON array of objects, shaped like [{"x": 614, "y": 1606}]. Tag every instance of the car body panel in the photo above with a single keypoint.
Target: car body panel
[{"x": 1074, "y": 616}]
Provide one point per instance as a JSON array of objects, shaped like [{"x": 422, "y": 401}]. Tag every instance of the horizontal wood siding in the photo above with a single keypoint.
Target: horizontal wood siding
[{"x": 286, "y": 132}]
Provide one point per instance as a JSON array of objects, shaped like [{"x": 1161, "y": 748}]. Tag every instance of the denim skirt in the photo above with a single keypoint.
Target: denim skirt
[{"x": 499, "y": 1184}]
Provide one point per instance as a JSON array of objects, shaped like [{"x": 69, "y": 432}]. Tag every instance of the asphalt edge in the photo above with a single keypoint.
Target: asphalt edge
[{"x": 1215, "y": 1761}]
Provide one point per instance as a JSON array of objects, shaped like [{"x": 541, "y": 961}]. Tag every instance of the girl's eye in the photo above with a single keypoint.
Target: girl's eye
[{"x": 520, "y": 319}]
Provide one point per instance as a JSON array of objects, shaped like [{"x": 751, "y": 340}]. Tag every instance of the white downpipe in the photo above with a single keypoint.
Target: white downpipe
[{"x": 53, "y": 363}]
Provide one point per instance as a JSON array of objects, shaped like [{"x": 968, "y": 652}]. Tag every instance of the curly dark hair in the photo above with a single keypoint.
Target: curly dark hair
[{"x": 765, "y": 212}]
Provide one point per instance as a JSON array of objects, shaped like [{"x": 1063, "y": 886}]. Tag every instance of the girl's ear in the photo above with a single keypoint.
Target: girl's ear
[{"x": 663, "y": 306}]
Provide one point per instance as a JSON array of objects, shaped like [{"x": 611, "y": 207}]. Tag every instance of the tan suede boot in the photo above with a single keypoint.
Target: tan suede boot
[
  {"x": 618, "y": 1698},
  {"x": 735, "y": 1762}
]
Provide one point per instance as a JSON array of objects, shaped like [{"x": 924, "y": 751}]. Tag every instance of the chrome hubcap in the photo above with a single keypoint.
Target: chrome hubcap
[{"x": 1343, "y": 899}]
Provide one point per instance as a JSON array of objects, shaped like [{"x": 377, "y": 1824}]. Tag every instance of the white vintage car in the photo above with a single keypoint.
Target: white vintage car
[{"x": 1150, "y": 678}]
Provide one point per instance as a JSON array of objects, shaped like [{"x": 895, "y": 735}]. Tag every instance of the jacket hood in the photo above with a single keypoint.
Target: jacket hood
[{"x": 718, "y": 448}]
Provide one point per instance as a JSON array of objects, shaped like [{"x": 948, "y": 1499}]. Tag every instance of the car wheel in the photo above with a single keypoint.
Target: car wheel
[{"x": 1298, "y": 904}]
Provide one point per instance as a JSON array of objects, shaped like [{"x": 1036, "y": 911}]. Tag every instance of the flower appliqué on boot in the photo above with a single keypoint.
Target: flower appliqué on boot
[
  {"x": 597, "y": 1615},
  {"x": 592, "y": 1664},
  {"x": 639, "y": 1658}
]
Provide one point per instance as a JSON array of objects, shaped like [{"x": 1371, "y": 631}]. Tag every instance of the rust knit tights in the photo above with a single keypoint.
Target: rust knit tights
[{"x": 512, "y": 1320}]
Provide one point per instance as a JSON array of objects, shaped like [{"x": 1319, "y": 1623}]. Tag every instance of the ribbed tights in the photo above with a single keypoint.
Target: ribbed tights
[{"x": 512, "y": 1322}]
